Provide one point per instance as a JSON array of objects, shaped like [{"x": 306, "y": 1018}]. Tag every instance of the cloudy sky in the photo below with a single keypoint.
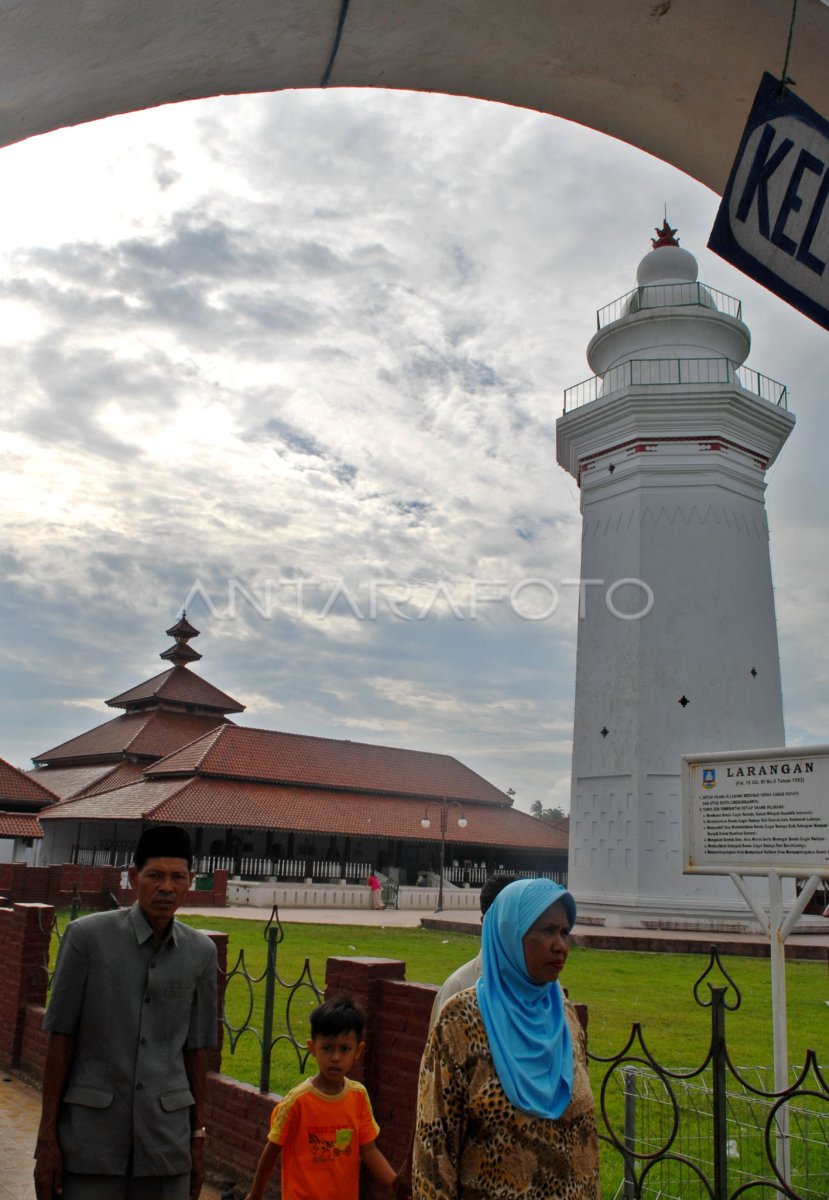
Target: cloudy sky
[{"x": 296, "y": 360}]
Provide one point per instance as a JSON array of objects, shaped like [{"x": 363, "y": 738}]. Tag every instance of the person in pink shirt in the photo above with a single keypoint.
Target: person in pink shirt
[{"x": 376, "y": 891}]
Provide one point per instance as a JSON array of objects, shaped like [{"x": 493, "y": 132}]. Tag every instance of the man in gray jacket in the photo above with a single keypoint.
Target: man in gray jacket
[{"x": 131, "y": 1013}]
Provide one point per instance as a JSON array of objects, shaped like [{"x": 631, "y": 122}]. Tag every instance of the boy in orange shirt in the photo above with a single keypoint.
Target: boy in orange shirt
[{"x": 324, "y": 1126}]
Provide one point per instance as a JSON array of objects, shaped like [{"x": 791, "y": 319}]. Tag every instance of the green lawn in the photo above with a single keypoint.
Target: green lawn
[{"x": 619, "y": 987}]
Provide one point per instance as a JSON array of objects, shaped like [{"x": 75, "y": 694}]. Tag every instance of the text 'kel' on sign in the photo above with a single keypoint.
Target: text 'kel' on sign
[{"x": 773, "y": 222}]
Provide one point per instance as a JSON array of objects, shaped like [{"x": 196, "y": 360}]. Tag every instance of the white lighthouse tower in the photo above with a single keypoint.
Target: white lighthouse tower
[{"x": 677, "y": 642}]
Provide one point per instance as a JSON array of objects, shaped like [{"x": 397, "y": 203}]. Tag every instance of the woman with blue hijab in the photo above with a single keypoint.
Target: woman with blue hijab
[{"x": 505, "y": 1109}]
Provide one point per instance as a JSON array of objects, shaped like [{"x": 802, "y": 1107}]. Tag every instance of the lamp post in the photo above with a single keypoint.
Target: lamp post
[{"x": 443, "y": 807}]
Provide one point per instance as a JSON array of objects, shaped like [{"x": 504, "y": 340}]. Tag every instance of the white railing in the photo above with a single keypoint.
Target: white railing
[
  {"x": 213, "y": 862},
  {"x": 287, "y": 868},
  {"x": 93, "y": 858},
  {"x": 279, "y": 868},
  {"x": 474, "y": 875},
  {"x": 655, "y": 372},
  {"x": 668, "y": 295},
  {"x": 479, "y": 875},
  {"x": 338, "y": 870},
  {"x": 283, "y": 868},
  {"x": 556, "y": 876}
]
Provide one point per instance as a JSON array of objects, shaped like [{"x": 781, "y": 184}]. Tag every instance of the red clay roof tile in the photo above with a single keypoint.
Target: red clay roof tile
[
  {"x": 264, "y": 754},
  {"x": 133, "y": 803},
  {"x": 178, "y": 685},
  {"x": 67, "y": 782},
  {"x": 18, "y": 785},
  {"x": 19, "y": 825},
  {"x": 222, "y": 802},
  {"x": 124, "y": 774},
  {"x": 151, "y": 734}
]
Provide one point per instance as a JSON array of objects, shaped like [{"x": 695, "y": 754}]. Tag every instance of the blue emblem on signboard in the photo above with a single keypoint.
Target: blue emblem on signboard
[{"x": 709, "y": 778}]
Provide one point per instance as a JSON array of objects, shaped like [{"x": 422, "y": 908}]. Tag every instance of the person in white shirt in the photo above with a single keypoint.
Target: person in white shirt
[{"x": 467, "y": 975}]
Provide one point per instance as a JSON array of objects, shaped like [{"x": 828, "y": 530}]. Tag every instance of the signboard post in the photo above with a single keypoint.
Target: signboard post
[
  {"x": 762, "y": 813},
  {"x": 773, "y": 222}
]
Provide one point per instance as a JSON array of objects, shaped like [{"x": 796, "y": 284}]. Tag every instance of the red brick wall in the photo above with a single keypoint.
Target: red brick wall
[
  {"x": 237, "y": 1117},
  {"x": 360, "y": 978},
  {"x": 398, "y": 1021},
  {"x": 217, "y": 898},
  {"x": 33, "y": 1043},
  {"x": 24, "y": 944},
  {"x": 21, "y": 884}
]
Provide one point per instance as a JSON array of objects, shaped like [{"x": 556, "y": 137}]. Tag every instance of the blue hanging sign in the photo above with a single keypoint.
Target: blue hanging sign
[{"x": 773, "y": 222}]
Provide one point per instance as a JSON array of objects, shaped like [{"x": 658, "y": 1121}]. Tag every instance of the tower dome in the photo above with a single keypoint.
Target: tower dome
[
  {"x": 666, "y": 262},
  {"x": 669, "y": 318}
]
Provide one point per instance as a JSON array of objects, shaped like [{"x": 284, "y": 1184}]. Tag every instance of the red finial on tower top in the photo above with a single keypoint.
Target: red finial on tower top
[{"x": 664, "y": 236}]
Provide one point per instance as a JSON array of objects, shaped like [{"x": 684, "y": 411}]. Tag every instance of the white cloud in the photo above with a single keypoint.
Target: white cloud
[{"x": 323, "y": 337}]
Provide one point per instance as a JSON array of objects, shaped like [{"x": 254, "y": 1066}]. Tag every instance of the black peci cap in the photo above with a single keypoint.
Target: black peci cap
[{"x": 163, "y": 841}]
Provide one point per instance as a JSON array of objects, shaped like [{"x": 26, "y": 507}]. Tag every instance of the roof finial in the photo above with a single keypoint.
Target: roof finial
[
  {"x": 180, "y": 654},
  {"x": 665, "y": 236}
]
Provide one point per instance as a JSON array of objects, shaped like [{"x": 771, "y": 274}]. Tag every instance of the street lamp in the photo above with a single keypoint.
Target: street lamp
[{"x": 443, "y": 807}]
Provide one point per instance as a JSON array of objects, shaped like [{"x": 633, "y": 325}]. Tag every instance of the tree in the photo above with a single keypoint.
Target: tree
[{"x": 538, "y": 810}]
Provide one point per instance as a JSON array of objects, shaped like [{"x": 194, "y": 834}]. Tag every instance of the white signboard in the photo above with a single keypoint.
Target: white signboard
[
  {"x": 757, "y": 810},
  {"x": 773, "y": 222}
]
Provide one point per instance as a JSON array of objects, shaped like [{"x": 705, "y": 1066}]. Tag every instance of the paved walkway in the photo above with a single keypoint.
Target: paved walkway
[
  {"x": 388, "y": 918},
  {"x": 19, "y": 1117},
  {"x": 800, "y": 945}
]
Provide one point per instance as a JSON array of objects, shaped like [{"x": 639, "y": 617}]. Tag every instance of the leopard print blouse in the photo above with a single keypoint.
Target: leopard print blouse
[{"x": 472, "y": 1144}]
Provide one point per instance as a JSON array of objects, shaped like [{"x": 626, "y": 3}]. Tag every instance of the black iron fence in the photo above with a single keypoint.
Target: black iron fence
[
  {"x": 287, "y": 1028},
  {"x": 716, "y": 1131}
]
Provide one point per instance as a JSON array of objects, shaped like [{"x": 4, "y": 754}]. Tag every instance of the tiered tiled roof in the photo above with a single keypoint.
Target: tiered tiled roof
[
  {"x": 67, "y": 782},
  {"x": 178, "y": 685},
  {"x": 149, "y": 734},
  {"x": 233, "y": 752},
  {"x": 137, "y": 802},
  {"x": 19, "y": 825},
  {"x": 217, "y": 802},
  {"x": 124, "y": 774},
  {"x": 180, "y": 653},
  {"x": 18, "y": 789}
]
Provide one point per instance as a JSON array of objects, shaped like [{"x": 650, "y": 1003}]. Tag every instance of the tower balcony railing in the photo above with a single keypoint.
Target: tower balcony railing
[
  {"x": 660, "y": 372},
  {"x": 668, "y": 295}
]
